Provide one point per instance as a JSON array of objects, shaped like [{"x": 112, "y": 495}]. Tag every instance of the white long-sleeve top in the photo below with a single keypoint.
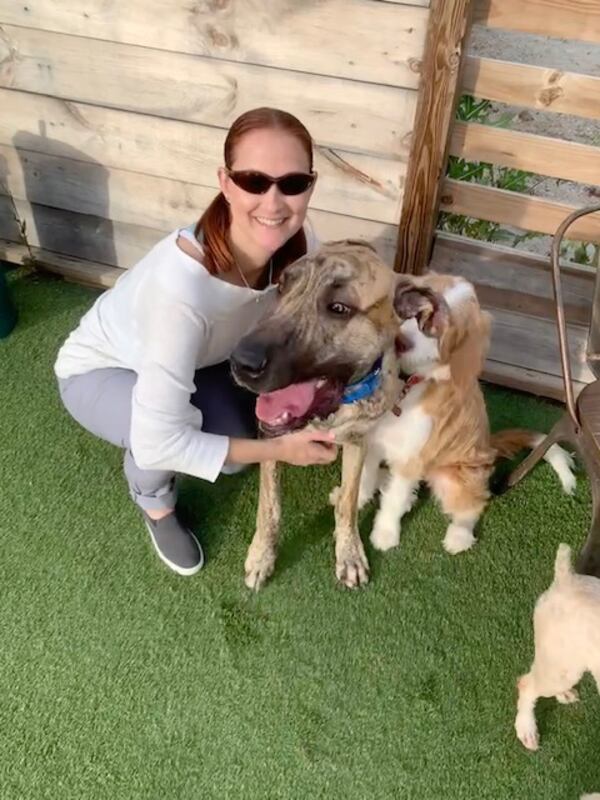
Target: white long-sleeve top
[{"x": 164, "y": 318}]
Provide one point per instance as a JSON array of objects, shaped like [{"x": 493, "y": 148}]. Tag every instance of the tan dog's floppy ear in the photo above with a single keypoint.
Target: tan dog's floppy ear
[
  {"x": 466, "y": 355},
  {"x": 429, "y": 308}
]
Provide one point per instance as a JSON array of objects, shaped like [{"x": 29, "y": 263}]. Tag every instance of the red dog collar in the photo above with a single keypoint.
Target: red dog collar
[{"x": 411, "y": 380}]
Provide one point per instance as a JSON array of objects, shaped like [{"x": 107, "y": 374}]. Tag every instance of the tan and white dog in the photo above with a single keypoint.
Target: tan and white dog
[
  {"x": 566, "y": 624},
  {"x": 438, "y": 431}
]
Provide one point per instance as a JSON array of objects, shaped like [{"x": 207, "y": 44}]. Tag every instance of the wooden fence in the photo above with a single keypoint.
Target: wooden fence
[
  {"x": 113, "y": 120},
  {"x": 516, "y": 286}
]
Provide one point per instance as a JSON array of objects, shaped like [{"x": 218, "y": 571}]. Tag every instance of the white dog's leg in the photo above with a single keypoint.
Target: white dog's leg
[
  {"x": 397, "y": 497},
  {"x": 525, "y": 724},
  {"x": 459, "y": 534},
  {"x": 463, "y": 498}
]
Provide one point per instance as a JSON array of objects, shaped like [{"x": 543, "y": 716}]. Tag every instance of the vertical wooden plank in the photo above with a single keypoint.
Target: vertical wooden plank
[{"x": 438, "y": 94}]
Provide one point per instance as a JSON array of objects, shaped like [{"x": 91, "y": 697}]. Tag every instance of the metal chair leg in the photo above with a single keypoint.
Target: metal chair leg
[
  {"x": 588, "y": 561},
  {"x": 562, "y": 431}
]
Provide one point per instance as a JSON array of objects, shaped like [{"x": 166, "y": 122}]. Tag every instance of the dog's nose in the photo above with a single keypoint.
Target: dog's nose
[{"x": 251, "y": 356}]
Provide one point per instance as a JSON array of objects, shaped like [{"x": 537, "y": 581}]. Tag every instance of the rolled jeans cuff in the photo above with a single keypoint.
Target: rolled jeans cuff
[{"x": 162, "y": 500}]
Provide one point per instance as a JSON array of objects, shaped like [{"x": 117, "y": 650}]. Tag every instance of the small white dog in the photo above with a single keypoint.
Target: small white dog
[{"x": 566, "y": 624}]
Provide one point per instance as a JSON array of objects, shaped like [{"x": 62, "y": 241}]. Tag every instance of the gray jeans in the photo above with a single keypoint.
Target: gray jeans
[{"x": 100, "y": 401}]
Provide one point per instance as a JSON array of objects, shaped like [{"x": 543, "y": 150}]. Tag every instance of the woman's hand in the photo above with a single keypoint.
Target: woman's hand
[
  {"x": 300, "y": 448},
  {"x": 303, "y": 448}
]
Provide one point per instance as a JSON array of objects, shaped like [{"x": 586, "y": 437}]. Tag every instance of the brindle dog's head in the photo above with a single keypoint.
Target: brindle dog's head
[{"x": 334, "y": 318}]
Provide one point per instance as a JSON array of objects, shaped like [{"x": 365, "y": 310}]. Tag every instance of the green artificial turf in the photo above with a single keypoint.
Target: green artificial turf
[{"x": 121, "y": 680}]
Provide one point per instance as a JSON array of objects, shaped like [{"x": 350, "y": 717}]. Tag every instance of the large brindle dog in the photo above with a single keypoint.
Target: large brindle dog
[{"x": 326, "y": 357}]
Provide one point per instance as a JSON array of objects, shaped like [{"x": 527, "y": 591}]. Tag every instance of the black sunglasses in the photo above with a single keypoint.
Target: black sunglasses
[{"x": 258, "y": 183}]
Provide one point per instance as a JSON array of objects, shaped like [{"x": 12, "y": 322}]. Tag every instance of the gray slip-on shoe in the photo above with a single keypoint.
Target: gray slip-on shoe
[{"x": 175, "y": 544}]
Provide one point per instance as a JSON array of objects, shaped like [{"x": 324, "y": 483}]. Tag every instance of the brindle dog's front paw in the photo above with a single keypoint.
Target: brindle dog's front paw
[
  {"x": 351, "y": 565},
  {"x": 259, "y": 566}
]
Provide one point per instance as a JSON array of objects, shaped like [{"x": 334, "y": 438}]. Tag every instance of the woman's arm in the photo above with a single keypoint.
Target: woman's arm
[
  {"x": 300, "y": 448},
  {"x": 166, "y": 430}
]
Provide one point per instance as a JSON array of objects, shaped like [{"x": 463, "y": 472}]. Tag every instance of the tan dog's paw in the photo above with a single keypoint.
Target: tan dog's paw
[
  {"x": 568, "y": 697},
  {"x": 527, "y": 732},
  {"x": 259, "y": 567},
  {"x": 351, "y": 565},
  {"x": 458, "y": 539},
  {"x": 334, "y": 495}
]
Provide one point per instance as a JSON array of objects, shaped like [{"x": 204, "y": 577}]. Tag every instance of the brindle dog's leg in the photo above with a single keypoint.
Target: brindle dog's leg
[
  {"x": 260, "y": 560},
  {"x": 351, "y": 565}
]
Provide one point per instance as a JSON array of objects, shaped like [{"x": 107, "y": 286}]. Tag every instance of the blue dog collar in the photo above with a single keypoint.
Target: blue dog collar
[{"x": 364, "y": 387}]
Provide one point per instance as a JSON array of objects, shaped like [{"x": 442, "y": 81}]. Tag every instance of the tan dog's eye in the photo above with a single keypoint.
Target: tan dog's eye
[{"x": 340, "y": 309}]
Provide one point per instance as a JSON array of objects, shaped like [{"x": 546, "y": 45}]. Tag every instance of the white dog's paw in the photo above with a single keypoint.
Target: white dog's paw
[
  {"x": 458, "y": 539},
  {"x": 527, "y": 732},
  {"x": 351, "y": 565},
  {"x": 259, "y": 567},
  {"x": 568, "y": 697},
  {"x": 384, "y": 536},
  {"x": 334, "y": 495}
]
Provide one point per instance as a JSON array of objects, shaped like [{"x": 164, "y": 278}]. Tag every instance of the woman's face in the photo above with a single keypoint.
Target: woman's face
[{"x": 262, "y": 223}]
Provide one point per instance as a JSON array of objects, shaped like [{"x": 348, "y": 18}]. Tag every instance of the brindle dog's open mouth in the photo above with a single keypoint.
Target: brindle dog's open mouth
[{"x": 294, "y": 406}]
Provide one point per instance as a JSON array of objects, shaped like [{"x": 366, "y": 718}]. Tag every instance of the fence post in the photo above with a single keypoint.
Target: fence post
[{"x": 439, "y": 92}]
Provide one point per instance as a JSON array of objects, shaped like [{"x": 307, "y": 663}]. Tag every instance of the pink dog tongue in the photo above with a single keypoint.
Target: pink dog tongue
[{"x": 295, "y": 399}]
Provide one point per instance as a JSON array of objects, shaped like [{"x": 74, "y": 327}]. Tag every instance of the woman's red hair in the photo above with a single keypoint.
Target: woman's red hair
[{"x": 213, "y": 225}]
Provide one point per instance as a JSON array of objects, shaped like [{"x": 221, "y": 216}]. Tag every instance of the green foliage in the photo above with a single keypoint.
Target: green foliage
[
  {"x": 486, "y": 174},
  {"x": 513, "y": 180},
  {"x": 587, "y": 253}
]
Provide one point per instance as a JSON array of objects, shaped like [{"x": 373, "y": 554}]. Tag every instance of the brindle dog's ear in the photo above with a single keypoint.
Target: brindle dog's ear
[
  {"x": 354, "y": 243},
  {"x": 429, "y": 308},
  {"x": 289, "y": 274}
]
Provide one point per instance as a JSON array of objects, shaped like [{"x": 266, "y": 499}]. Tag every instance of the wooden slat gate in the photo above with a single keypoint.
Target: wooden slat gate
[{"x": 514, "y": 285}]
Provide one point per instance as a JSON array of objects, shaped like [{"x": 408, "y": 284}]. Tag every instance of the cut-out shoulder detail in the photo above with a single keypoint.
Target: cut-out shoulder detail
[{"x": 189, "y": 245}]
